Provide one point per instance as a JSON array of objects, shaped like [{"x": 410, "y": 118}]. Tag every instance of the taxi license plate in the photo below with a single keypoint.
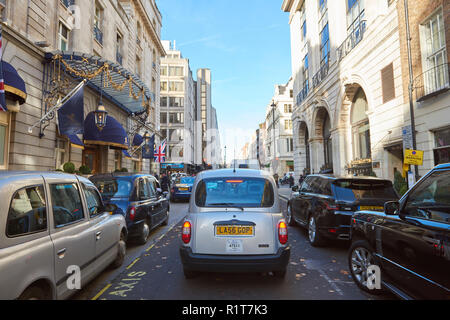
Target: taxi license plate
[
  {"x": 184, "y": 189},
  {"x": 234, "y": 230},
  {"x": 371, "y": 208}
]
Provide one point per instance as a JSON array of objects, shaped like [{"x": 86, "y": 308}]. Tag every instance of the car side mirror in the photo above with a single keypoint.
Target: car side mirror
[
  {"x": 295, "y": 188},
  {"x": 391, "y": 207}
]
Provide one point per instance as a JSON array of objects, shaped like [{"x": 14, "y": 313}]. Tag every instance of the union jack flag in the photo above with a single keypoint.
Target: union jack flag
[
  {"x": 160, "y": 153},
  {"x": 2, "y": 81}
]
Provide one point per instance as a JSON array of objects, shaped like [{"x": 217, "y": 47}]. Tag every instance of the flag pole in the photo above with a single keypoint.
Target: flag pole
[{"x": 59, "y": 104}]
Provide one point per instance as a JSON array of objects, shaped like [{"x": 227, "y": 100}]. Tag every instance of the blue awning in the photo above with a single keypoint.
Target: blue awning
[
  {"x": 137, "y": 140},
  {"x": 14, "y": 85},
  {"x": 113, "y": 134},
  {"x": 123, "y": 96}
]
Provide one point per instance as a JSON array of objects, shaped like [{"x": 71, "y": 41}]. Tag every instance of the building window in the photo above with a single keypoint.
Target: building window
[
  {"x": 164, "y": 70},
  {"x": 434, "y": 54},
  {"x": 177, "y": 86},
  {"x": 63, "y": 35},
  {"x": 176, "y": 102},
  {"x": 98, "y": 18},
  {"x": 327, "y": 143},
  {"x": 138, "y": 68},
  {"x": 119, "y": 43},
  {"x": 355, "y": 15},
  {"x": 442, "y": 149},
  {"x": 163, "y": 102},
  {"x": 138, "y": 33},
  {"x": 176, "y": 71},
  {"x": 176, "y": 117},
  {"x": 163, "y": 118},
  {"x": 306, "y": 74},
  {"x": 324, "y": 33},
  {"x": 288, "y": 108},
  {"x": 303, "y": 22},
  {"x": 288, "y": 124},
  {"x": 360, "y": 127},
  {"x": 163, "y": 85}
]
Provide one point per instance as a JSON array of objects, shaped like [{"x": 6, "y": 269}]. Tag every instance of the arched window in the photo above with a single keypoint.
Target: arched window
[{"x": 360, "y": 126}]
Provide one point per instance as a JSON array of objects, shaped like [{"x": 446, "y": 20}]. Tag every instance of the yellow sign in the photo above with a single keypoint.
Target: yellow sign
[{"x": 414, "y": 157}]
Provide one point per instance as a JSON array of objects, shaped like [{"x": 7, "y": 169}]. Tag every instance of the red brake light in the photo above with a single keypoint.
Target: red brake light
[
  {"x": 132, "y": 213},
  {"x": 282, "y": 232},
  {"x": 186, "y": 232}
]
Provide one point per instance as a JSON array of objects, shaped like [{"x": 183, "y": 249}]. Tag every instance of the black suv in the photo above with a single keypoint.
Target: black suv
[
  {"x": 409, "y": 242},
  {"x": 140, "y": 199},
  {"x": 324, "y": 204}
]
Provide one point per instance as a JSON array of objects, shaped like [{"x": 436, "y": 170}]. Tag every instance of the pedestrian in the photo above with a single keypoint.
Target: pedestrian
[
  {"x": 291, "y": 181},
  {"x": 300, "y": 180},
  {"x": 165, "y": 183},
  {"x": 275, "y": 176}
]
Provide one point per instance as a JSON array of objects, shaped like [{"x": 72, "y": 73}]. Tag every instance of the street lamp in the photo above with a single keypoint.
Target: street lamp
[{"x": 100, "y": 116}]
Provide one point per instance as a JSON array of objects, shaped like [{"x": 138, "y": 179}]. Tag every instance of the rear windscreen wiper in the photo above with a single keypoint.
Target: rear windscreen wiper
[{"x": 231, "y": 205}]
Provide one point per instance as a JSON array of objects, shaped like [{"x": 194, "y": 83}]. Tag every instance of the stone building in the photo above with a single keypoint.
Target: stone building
[
  {"x": 429, "y": 24},
  {"x": 71, "y": 39},
  {"x": 278, "y": 140},
  {"x": 348, "y": 86}
]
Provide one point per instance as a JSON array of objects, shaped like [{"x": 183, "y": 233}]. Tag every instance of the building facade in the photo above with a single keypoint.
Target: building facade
[
  {"x": 279, "y": 142},
  {"x": 429, "y": 24},
  {"x": 348, "y": 87},
  {"x": 177, "y": 115},
  {"x": 115, "y": 39}
]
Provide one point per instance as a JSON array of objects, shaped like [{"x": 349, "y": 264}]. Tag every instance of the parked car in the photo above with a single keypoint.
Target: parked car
[
  {"x": 140, "y": 199},
  {"x": 182, "y": 189},
  {"x": 409, "y": 241},
  {"x": 234, "y": 224},
  {"x": 50, "y": 222},
  {"x": 324, "y": 204}
]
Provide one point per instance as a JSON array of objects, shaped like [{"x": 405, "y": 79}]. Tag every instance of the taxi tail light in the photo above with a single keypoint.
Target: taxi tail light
[
  {"x": 282, "y": 232},
  {"x": 132, "y": 213},
  {"x": 186, "y": 232}
]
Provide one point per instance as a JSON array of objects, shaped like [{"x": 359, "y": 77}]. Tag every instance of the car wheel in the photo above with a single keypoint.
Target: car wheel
[
  {"x": 280, "y": 274},
  {"x": 121, "y": 253},
  {"x": 189, "y": 274},
  {"x": 360, "y": 257},
  {"x": 314, "y": 236},
  {"x": 33, "y": 293},
  {"x": 166, "y": 220},
  {"x": 289, "y": 219},
  {"x": 145, "y": 233}
]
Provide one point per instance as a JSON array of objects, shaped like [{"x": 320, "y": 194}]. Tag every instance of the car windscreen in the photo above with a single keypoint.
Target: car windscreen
[
  {"x": 354, "y": 190},
  {"x": 114, "y": 188},
  {"x": 187, "y": 180},
  {"x": 239, "y": 192}
]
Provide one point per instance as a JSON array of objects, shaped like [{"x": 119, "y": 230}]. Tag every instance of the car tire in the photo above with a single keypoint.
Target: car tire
[
  {"x": 280, "y": 274},
  {"x": 166, "y": 220},
  {"x": 121, "y": 253},
  {"x": 33, "y": 293},
  {"x": 314, "y": 236},
  {"x": 144, "y": 234},
  {"x": 360, "y": 256},
  {"x": 289, "y": 218},
  {"x": 189, "y": 274}
]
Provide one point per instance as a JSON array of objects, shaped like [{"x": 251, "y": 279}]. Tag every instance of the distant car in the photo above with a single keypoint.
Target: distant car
[
  {"x": 139, "y": 197},
  {"x": 324, "y": 204},
  {"x": 234, "y": 224},
  {"x": 52, "y": 223},
  {"x": 243, "y": 166},
  {"x": 182, "y": 189},
  {"x": 409, "y": 241}
]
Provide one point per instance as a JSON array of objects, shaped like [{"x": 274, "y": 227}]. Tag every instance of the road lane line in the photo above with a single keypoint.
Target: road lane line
[
  {"x": 101, "y": 292},
  {"x": 132, "y": 264}
]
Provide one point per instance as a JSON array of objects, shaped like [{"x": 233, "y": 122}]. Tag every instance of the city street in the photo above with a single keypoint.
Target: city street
[{"x": 154, "y": 271}]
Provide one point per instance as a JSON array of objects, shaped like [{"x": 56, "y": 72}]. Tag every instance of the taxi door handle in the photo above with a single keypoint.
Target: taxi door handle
[
  {"x": 98, "y": 235},
  {"x": 61, "y": 253}
]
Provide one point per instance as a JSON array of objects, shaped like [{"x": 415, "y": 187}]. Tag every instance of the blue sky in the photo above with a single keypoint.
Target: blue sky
[{"x": 245, "y": 43}]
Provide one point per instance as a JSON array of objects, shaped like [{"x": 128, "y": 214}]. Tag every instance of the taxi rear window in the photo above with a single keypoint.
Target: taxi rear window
[{"x": 232, "y": 191}]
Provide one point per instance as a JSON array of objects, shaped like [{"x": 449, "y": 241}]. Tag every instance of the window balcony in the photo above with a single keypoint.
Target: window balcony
[
  {"x": 303, "y": 93},
  {"x": 98, "y": 34},
  {"x": 432, "y": 82},
  {"x": 321, "y": 74},
  {"x": 352, "y": 40}
]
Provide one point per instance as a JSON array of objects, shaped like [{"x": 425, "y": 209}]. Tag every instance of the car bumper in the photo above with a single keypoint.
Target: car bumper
[
  {"x": 181, "y": 195},
  {"x": 235, "y": 263}
]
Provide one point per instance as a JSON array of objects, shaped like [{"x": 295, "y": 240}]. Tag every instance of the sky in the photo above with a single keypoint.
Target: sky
[{"x": 245, "y": 44}]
